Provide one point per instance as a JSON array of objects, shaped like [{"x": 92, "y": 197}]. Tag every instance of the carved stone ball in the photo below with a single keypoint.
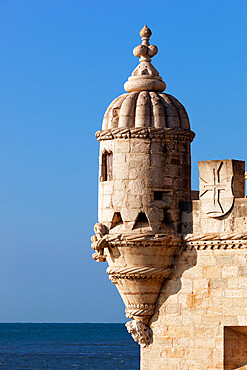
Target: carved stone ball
[
  {"x": 152, "y": 50},
  {"x": 140, "y": 50}
]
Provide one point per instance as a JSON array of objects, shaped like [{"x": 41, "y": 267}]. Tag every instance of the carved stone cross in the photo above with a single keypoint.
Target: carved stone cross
[{"x": 216, "y": 187}]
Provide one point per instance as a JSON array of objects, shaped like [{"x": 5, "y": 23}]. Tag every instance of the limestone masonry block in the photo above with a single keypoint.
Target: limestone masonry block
[{"x": 204, "y": 312}]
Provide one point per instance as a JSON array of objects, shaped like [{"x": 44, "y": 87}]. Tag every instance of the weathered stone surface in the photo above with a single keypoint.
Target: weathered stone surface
[
  {"x": 220, "y": 182},
  {"x": 178, "y": 257},
  {"x": 193, "y": 311},
  {"x": 140, "y": 168}
]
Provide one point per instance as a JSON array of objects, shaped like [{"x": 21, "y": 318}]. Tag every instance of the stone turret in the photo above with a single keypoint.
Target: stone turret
[
  {"x": 144, "y": 179},
  {"x": 179, "y": 264}
]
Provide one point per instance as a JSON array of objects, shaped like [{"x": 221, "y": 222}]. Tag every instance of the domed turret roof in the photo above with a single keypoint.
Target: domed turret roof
[
  {"x": 145, "y": 105},
  {"x": 145, "y": 109}
]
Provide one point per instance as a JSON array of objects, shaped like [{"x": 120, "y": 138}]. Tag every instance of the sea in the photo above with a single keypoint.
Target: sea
[{"x": 67, "y": 346}]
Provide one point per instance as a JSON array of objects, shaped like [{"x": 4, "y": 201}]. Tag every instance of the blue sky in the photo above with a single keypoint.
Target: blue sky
[{"x": 62, "y": 63}]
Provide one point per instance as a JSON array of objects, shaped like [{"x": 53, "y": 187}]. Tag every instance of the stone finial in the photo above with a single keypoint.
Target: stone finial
[
  {"x": 145, "y": 32},
  {"x": 145, "y": 51},
  {"x": 145, "y": 77}
]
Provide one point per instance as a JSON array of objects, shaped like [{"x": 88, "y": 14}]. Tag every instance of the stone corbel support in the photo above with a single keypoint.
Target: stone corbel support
[{"x": 138, "y": 266}]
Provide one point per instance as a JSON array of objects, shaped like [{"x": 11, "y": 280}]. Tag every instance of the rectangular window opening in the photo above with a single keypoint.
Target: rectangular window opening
[{"x": 107, "y": 159}]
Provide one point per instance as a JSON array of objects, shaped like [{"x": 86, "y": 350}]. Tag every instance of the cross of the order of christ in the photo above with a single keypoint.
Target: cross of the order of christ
[{"x": 220, "y": 196}]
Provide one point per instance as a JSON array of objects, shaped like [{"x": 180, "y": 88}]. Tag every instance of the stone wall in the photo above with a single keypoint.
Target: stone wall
[
  {"x": 198, "y": 222},
  {"x": 144, "y": 169},
  {"x": 206, "y": 293}
]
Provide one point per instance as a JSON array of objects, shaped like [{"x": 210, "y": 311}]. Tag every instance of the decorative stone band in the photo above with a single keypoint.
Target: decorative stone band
[
  {"x": 119, "y": 272},
  {"x": 126, "y": 240},
  {"x": 147, "y": 244},
  {"x": 100, "y": 241},
  {"x": 139, "y": 310},
  {"x": 216, "y": 241},
  {"x": 143, "y": 133}
]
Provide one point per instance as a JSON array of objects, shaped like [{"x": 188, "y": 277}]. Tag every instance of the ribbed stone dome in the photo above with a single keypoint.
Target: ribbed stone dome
[{"x": 146, "y": 109}]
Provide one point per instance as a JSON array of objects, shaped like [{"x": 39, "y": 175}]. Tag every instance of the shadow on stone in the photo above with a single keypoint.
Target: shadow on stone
[
  {"x": 183, "y": 260},
  {"x": 235, "y": 347}
]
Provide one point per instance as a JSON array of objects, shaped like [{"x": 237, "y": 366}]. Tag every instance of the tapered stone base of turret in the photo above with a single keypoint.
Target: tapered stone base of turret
[{"x": 139, "y": 268}]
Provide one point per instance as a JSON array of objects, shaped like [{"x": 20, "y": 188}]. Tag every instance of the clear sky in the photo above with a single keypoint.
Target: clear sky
[{"x": 62, "y": 62}]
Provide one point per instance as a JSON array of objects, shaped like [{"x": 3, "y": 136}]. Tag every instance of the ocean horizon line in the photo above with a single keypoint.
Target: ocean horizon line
[{"x": 57, "y": 322}]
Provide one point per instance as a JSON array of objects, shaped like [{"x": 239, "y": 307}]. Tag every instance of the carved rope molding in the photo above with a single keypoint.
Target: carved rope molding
[
  {"x": 216, "y": 241},
  {"x": 137, "y": 272},
  {"x": 129, "y": 240},
  {"x": 101, "y": 241},
  {"x": 139, "y": 310},
  {"x": 198, "y": 241},
  {"x": 143, "y": 133}
]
